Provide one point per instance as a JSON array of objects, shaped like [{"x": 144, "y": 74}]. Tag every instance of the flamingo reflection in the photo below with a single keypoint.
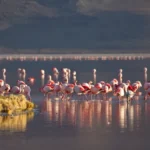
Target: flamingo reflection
[{"x": 85, "y": 114}]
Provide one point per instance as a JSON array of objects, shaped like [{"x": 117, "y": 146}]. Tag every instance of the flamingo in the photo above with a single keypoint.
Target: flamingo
[
  {"x": 146, "y": 85},
  {"x": 4, "y": 74},
  {"x": 130, "y": 94},
  {"x": 15, "y": 90},
  {"x": 4, "y": 89},
  {"x": 42, "y": 72},
  {"x": 96, "y": 89},
  {"x": 64, "y": 72},
  {"x": 1, "y": 82},
  {"x": 47, "y": 90},
  {"x": 74, "y": 76},
  {"x": 136, "y": 86},
  {"x": 20, "y": 82},
  {"x": 23, "y": 74},
  {"x": 87, "y": 87},
  {"x": 106, "y": 88},
  {"x": 114, "y": 83},
  {"x": 31, "y": 80},
  {"x": 57, "y": 88},
  {"x": 69, "y": 73},
  {"x": 94, "y": 75},
  {"x": 19, "y": 73},
  {"x": 42, "y": 77},
  {"x": 120, "y": 92},
  {"x": 55, "y": 73},
  {"x": 79, "y": 89},
  {"x": 64, "y": 84},
  {"x": 22, "y": 89},
  {"x": 50, "y": 81},
  {"x": 69, "y": 89},
  {"x": 120, "y": 75}
]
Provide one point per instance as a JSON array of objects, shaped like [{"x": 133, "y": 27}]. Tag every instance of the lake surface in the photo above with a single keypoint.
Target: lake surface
[{"x": 77, "y": 124}]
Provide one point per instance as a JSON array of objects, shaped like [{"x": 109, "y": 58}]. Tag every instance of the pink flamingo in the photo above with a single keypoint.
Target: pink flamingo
[
  {"x": 19, "y": 73},
  {"x": 74, "y": 76},
  {"x": 23, "y": 71},
  {"x": 94, "y": 76},
  {"x": 4, "y": 74},
  {"x": 31, "y": 80},
  {"x": 22, "y": 89},
  {"x": 106, "y": 88},
  {"x": 146, "y": 85},
  {"x": 69, "y": 89},
  {"x": 96, "y": 89},
  {"x": 42, "y": 73},
  {"x": 15, "y": 90},
  {"x": 114, "y": 83},
  {"x": 1, "y": 82},
  {"x": 120, "y": 75},
  {"x": 57, "y": 88},
  {"x": 55, "y": 73},
  {"x": 120, "y": 92},
  {"x": 5, "y": 89},
  {"x": 47, "y": 90},
  {"x": 136, "y": 86},
  {"x": 50, "y": 81},
  {"x": 79, "y": 89}
]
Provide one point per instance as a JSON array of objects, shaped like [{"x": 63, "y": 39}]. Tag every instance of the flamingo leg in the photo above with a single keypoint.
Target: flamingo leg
[{"x": 63, "y": 96}]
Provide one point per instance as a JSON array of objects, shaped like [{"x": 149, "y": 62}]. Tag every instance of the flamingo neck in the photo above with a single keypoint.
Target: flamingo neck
[
  {"x": 145, "y": 76},
  {"x": 120, "y": 77}
]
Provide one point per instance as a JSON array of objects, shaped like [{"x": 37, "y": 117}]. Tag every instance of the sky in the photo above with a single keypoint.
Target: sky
[
  {"x": 95, "y": 6},
  {"x": 75, "y": 24}
]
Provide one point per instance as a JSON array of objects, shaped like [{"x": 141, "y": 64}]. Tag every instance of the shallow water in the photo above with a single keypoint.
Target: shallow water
[{"x": 77, "y": 124}]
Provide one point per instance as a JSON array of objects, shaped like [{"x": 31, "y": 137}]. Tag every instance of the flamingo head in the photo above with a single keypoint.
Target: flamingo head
[
  {"x": 23, "y": 71},
  {"x": 31, "y": 80},
  {"x": 102, "y": 82},
  {"x": 120, "y": 70},
  {"x": 74, "y": 73},
  {"x": 139, "y": 83},
  {"x": 20, "y": 83},
  {"x": 19, "y": 70},
  {"x": 145, "y": 69},
  {"x": 90, "y": 82},
  {"x": 7, "y": 87},
  {"x": 54, "y": 69},
  {"x": 64, "y": 70},
  {"x": 128, "y": 82},
  {"x": 49, "y": 77},
  {"x": 42, "y": 72},
  {"x": 115, "y": 80},
  {"x": 94, "y": 70},
  {"x": 4, "y": 70}
]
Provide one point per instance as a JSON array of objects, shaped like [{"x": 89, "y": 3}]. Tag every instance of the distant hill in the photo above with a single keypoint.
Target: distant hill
[{"x": 64, "y": 26}]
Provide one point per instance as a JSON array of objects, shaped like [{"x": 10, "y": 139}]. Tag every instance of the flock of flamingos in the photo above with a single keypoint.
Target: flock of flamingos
[{"x": 62, "y": 87}]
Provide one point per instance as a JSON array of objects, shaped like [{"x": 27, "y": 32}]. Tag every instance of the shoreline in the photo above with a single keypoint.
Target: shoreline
[{"x": 94, "y": 56}]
